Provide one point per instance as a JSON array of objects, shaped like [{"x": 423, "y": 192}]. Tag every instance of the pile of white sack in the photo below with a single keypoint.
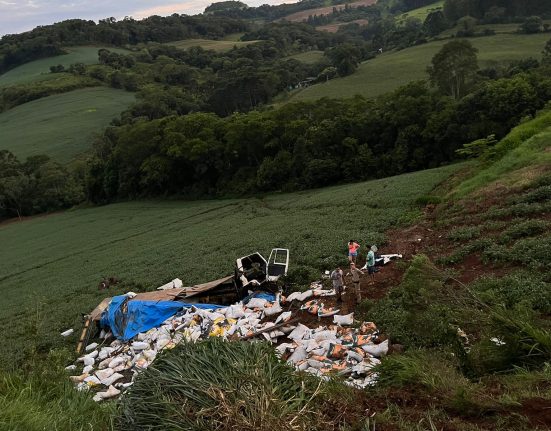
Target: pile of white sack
[{"x": 334, "y": 348}]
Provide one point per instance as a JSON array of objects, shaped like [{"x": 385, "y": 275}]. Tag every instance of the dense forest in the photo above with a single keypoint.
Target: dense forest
[
  {"x": 202, "y": 124},
  {"x": 306, "y": 145}
]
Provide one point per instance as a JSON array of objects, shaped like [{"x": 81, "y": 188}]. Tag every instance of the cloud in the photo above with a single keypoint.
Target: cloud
[
  {"x": 17, "y": 16},
  {"x": 188, "y": 7}
]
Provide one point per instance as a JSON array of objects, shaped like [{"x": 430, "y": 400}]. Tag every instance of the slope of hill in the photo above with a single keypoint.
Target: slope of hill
[
  {"x": 493, "y": 246},
  {"x": 61, "y": 258},
  {"x": 390, "y": 70},
  {"x": 420, "y": 13},
  {"x": 303, "y": 15},
  {"x": 216, "y": 45},
  {"x": 40, "y": 69},
  {"x": 63, "y": 125}
]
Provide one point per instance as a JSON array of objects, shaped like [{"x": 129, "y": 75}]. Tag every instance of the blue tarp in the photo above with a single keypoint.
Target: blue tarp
[
  {"x": 262, "y": 295},
  {"x": 141, "y": 316}
]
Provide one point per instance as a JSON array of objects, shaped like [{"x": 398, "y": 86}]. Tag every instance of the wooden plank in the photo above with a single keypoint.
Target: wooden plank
[
  {"x": 84, "y": 335},
  {"x": 272, "y": 328}
]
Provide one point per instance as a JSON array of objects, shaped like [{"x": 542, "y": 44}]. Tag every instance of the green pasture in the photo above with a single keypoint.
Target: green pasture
[
  {"x": 393, "y": 69},
  {"x": 62, "y": 125},
  {"x": 50, "y": 266},
  {"x": 40, "y": 69},
  {"x": 497, "y": 28},
  {"x": 420, "y": 13},
  {"x": 308, "y": 57},
  {"x": 216, "y": 45}
]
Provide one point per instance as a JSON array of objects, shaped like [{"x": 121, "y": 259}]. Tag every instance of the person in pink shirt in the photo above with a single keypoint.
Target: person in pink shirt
[{"x": 353, "y": 247}]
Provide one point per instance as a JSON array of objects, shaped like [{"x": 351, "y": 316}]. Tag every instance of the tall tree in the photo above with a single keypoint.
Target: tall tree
[{"x": 454, "y": 68}]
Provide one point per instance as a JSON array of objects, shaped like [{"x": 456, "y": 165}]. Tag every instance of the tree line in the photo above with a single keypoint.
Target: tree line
[
  {"x": 305, "y": 145},
  {"x": 48, "y": 40}
]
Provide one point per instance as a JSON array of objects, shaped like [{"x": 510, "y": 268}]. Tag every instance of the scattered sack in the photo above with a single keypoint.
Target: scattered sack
[
  {"x": 299, "y": 332},
  {"x": 343, "y": 320},
  {"x": 256, "y": 303},
  {"x": 283, "y": 317},
  {"x": 377, "y": 350},
  {"x": 67, "y": 332},
  {"x": 273, "y": 310}
]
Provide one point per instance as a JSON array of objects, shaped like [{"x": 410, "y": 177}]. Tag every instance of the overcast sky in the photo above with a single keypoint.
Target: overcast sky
[{"x": 17, "y": 16}]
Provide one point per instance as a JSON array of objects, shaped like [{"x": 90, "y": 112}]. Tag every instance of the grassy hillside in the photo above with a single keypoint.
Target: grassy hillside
[
  {"x": 40, "y": 69},
  {"x": 393, "y": 69},
  {"x": 62, "y": 125},
  {"x": 55, "y": 262},
  {"x": 421, "y": 13},
  {"x": 326, "y": 10},
  {"x": 216, "y": 45},
  {"x": 309, "y": 57}
]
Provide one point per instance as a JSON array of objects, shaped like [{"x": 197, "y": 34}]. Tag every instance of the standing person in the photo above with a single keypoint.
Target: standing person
[
  {"x": 371, "y": 263},
  {"x": 353, "y": 247},
  {"x": 338, "y": 282},
  {"x": 356, "y": 280}
]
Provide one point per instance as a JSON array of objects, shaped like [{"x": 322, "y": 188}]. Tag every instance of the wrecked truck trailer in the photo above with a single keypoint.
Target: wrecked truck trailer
[{"x": 254, "y": 270}]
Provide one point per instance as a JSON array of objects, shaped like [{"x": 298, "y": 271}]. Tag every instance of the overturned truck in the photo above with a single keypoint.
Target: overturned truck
[{"x": 127, "y": 315}]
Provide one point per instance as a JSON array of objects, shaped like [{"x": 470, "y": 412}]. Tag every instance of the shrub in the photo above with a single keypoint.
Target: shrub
[
  {"x": 218, "y": 385},
  {"x": 411, "y": 314},
  {"x": 523, "y": 229},
  {"x": 541, "y": 194},
  {"x": 496, "y": 253},
  {"x": 464, "y": 233},
  {"x": 462, "y": 252},
  {"x": 431, "y": 369},
  {"x": 427, "y": 200},
  {"x": 535, "y": 252},
  {"x": 521, "y": 289},
  {"x": 518, "y": 210}
]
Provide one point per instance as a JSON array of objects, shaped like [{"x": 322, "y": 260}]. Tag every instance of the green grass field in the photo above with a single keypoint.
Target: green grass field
[
  {"x": 40, "y": 69},
  {"x": 420, "y": 13},
  {"x": 390, "y": 70},
  {"x": 309, "y": 57},
  {"x": 216, "y": 45},
  {"x": 62, "y": 125},
  {"x": 53, "y": 264}
]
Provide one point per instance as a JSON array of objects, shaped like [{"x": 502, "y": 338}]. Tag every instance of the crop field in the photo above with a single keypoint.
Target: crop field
[
  {"x": 309, "y": 57},
  {"x": 420, "y": 13},
  {"x": 53, "y": 265},
  {"x": 333, "y": 28},
  {"x": 40, "y": 69},
  {"x": 63, "y": 125},
  {"x": 216, "y": 45},
  {"x": 326, "y": 10},
  {"x": 393, "y": 69}
]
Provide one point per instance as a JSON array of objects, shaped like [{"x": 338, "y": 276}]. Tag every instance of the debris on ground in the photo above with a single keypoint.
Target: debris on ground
[
  {"x": 323, "y": 350},
  {"x": 307, "y": 331}
]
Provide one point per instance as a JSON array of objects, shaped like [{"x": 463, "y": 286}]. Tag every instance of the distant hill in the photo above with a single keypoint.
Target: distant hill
[
  {"x": 61, "y": 126},
  {"x": 40, "y": 69},
  {"x": 390, "y": 70},
  {"x": 304, "y": 14}
]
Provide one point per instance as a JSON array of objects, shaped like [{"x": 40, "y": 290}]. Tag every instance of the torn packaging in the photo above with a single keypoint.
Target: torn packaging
[{"x": 319, "y": 351}]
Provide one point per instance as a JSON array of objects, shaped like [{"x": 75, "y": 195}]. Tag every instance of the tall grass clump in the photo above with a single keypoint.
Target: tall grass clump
[
  {"x": 217, "y": 385},
  {"x": 43, "y": 398}
]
